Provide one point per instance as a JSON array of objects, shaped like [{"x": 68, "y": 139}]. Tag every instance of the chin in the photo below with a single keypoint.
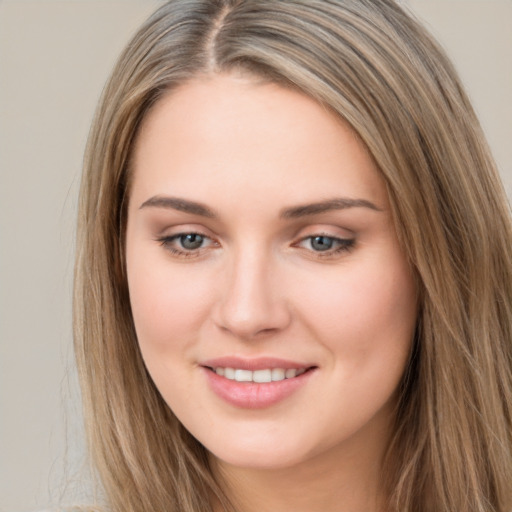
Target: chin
[
  {"x": 259, "y": 459},
  {"x": 265, "y": 452}
]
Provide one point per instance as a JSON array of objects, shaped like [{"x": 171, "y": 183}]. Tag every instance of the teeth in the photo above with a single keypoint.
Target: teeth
[
  {"x": 278, "y": 374},
  {"x": 290, "y": 373},
  {"x": 260, "y": 376},
  {"x": 229, "y": 373},
  {"x": 243, "y": 375}
]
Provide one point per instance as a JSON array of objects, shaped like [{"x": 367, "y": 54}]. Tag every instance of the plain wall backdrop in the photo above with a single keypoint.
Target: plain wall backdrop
[{"x": 54, "y": 59}]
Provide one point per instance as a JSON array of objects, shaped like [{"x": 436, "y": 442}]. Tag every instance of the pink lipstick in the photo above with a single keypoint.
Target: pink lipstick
[{"x": 255, "y": 383}]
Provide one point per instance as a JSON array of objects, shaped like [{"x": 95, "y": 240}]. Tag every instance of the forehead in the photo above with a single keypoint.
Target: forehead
[{"x": 233, "y": 132}]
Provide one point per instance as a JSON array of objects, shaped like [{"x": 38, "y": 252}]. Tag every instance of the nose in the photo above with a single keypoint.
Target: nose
[{"x": 252, "y": 299}]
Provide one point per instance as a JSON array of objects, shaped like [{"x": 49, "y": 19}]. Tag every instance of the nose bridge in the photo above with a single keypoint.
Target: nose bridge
[{"x": 251, "y": 302}]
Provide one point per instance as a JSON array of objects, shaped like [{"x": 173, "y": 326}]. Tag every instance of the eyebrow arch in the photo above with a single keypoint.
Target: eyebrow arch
[
  {"x": 187, "y": 206},
  {"x": 324, "y": 206},
  {"x": 182, "y": 205}
]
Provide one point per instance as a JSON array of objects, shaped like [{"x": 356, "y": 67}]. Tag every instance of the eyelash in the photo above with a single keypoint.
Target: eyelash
[
  {"x": 167, "y": 241},
  {"x": 344, "y": 245}
]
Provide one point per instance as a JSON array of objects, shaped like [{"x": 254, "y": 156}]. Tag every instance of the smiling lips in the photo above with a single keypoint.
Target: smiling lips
[
  {"x": 259, "y": 376},
  {"x": 255, "y": 384}
]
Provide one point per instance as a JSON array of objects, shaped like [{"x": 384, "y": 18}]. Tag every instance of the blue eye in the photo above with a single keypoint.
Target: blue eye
[
  {"x": 191, "y": 241},
  {"x": 186, "y": 245},
  {"x": 321, "y": 243},
  {"x": 326, "y": 245}
]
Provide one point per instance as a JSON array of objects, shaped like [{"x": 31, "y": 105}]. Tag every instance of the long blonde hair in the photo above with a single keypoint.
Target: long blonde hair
[{"x": 377, "y": 68}]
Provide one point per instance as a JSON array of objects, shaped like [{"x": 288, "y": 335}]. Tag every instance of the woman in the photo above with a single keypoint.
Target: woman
[{"x": 293, "y": 285}]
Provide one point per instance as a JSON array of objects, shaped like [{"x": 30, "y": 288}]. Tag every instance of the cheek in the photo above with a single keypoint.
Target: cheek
[
  {"x": 363, "y": 314},
  {"x": 365, "y": 319},
  {"x": 168, "y": 303}
]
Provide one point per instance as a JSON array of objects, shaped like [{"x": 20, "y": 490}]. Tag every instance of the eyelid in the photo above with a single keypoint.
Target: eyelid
[
  {"x": 170, "y": 240},
  {"x": 342, "y": 243},
  {"x": 339, "y": 240},
  {"x": 167, "y": 241}
]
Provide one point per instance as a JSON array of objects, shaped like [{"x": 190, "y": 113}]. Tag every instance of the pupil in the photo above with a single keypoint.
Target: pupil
[
  {"x": 191, "y": 241},
  {"x": 321, "y": 243}
]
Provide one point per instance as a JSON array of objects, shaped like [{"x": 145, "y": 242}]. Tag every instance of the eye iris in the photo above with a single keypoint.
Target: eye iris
[
  {"x": 191, "y": 241},
  {"x": 321, "y": 243}
]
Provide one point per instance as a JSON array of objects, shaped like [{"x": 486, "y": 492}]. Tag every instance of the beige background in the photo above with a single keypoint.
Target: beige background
[{"x": 54, "y": 59}]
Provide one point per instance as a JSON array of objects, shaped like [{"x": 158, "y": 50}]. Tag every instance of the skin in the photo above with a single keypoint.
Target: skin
[{"x": 258, "y": 286}]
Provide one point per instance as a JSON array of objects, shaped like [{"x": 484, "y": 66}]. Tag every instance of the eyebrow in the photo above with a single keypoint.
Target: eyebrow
[
  {"x": 187, "y": 206},
  {"x": 341, "y": 203},
  {"x": 182, "y": 205}
]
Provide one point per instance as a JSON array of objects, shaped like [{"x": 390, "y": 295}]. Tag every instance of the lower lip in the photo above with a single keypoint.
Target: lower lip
[{"x": 253, "y": 395}]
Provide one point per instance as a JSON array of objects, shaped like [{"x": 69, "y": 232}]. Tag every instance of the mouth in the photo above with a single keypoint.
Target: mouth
[
  {"x": 256, "y": 383},
  {"x": 260, "y": 376}
]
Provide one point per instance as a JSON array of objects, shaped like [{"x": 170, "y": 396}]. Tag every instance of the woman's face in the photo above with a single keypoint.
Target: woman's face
[{"x": 273, "y": 305}]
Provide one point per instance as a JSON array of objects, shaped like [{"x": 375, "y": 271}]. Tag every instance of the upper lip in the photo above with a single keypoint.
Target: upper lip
[{"x": 259, "y": 363}]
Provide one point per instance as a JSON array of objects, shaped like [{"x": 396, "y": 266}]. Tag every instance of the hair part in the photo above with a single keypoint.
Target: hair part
[{"x": 374, "y": 66}]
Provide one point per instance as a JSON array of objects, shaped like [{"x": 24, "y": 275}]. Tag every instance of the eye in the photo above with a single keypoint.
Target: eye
[
  {"x": 186, "y": 244},
  {"x": 321, "y": 243},
  {"x": 326, "y": 245},
  {"x": 191, "y": 241}
]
